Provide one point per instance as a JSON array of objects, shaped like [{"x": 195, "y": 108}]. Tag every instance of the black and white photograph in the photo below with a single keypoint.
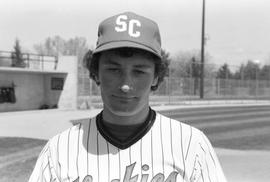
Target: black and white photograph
[{"x": 134, "y": 90}]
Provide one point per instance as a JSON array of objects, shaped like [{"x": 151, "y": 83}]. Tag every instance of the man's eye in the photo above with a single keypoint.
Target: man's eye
[
  {"x": 113, "y": 69},
  {"x": 139, "y": 71}
]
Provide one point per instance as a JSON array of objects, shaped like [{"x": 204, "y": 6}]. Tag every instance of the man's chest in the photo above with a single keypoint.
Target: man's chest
[
  {"x": 160, "y": 155},
  {"x": 139, "y": 163}
]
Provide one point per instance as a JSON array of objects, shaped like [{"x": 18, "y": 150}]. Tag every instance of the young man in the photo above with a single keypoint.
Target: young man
[{"x": 128, "y": 141}]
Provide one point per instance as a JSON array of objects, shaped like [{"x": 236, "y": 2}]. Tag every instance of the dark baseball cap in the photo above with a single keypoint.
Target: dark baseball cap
[{"x": 129, "y": 30}]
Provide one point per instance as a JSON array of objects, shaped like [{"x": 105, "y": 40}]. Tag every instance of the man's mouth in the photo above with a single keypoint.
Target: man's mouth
[{"x": 126, "y": 98}]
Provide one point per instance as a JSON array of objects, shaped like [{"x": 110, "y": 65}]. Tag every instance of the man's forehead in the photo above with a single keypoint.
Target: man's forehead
[{"x": 136, "y": 59}]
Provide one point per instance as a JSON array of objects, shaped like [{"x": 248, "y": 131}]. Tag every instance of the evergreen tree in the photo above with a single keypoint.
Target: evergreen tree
[
  {"x": 265, "y": 73},
  {"x": 224, "y": 72},
  {"x": 17, "y": 57}
]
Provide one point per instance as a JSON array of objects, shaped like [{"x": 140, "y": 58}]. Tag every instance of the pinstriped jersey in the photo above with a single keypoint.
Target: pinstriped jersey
[{"x": 170, "y": 151}]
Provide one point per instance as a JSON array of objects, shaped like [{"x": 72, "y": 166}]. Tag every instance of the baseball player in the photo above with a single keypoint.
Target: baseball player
[{"x": 128, "y": 141}]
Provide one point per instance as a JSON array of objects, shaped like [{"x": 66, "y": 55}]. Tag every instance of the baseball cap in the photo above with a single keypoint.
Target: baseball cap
[{"x": 128, "y": 30}]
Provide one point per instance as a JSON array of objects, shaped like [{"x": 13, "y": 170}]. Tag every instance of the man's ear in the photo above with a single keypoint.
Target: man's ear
[
  {"x": 155, "y": 81},
  {"x": 97, "y": 80}
]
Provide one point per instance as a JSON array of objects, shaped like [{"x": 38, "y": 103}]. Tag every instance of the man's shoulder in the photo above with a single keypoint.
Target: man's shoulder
[
  {"x": 183, "y": 125},
  {"x": 79, "y": 125}
]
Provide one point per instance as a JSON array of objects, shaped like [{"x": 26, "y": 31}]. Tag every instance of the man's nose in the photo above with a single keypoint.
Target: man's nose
[
  {"x": 126, "y": 88},
  {"x": 126, "y": 83}
]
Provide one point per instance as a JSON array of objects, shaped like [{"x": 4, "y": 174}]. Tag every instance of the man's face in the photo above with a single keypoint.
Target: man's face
[{"x": 137, "y": 72}]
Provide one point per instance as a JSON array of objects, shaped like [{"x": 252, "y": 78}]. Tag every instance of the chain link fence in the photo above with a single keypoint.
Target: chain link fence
[
  {"x": 215, "y": 88},
  {"x": 174, "y": 90}
]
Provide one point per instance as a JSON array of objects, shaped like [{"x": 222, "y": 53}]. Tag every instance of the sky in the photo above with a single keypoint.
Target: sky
[{"x": 236, "y": 30}]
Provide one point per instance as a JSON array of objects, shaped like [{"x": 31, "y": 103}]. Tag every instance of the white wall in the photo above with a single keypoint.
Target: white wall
[
  {"x": 52, "y": 97},
  {"x": 29, "y": 90},
  {"x": 33, "y": 87},
  {"x": 68, "y": 97}
]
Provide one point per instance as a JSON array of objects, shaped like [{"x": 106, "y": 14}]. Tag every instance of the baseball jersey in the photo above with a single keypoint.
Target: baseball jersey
[{"x": 170, "y": 151}]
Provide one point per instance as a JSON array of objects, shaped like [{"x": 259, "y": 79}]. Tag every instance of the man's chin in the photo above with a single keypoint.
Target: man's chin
[
  {"x": 125, "y": 110},
  {"x": 123, "y": 113}
]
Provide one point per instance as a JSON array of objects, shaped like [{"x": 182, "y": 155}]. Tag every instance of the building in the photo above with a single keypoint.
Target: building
[{"x": 42, "y": 82}]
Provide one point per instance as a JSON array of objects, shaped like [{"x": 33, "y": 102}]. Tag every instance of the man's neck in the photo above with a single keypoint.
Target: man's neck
[{"x": 137, "y": 118}]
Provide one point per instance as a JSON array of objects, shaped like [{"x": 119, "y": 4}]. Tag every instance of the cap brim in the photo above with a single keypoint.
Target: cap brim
[{"x": 121, "y": 44}]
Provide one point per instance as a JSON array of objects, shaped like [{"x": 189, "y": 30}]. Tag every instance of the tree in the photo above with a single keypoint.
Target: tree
[
  {"x": 195, "y": 68},
  {"x": 224, "y": 72},
  {"x": 265, "y": 73},
  {"x": 251, "y": 70},
  {"x": 17, "y": 56},
  {"x": 239, "y": 74},
  {"x": 181, "y": 63},
  {"x": 187, "y": 64},
  {"x": 58, "y": 46}
]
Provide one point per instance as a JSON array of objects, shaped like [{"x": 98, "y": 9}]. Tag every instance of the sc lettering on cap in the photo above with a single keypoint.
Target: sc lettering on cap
[{"x": 123, "y": 24}]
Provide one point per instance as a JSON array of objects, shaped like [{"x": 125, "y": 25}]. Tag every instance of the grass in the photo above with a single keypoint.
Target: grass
[
  {"x": 259, "y": 142},
  {"x": 9, "y": 145},
  {"x": 21, "y": 168},
  {"x": 18, "y": 172}
]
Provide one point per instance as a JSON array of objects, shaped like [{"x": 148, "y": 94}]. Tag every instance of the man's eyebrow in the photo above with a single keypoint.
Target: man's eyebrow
[
  {"x": 114, "y": 63},
  {"x": 111, "y": 62}
]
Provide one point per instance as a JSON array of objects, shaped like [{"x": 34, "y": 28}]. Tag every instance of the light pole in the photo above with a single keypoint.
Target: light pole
[{"x": 202, "y": 53}]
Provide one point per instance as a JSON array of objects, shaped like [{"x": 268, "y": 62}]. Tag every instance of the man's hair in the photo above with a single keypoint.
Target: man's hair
[{"x": 161, "y": 66}]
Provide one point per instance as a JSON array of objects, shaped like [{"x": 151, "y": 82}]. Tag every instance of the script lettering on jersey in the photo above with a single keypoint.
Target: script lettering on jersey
[{"x": 129, "y": 177}]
